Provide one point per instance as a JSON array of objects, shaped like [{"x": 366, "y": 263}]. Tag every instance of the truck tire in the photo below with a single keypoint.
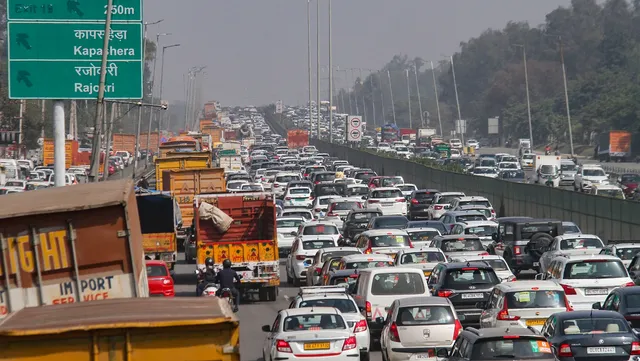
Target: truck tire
[
  {"x": 263, "y": 294},
  {"x": 272, "y": 293}
]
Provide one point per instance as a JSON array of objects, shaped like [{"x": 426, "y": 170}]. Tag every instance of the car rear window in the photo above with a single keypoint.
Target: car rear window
[
  {"x": 156, "y": 271},
  {"x": 398, "y": 283},
  {"x": 317, "y": 244},
  {"x": 286, "y": 178},
  {"x": 422, "y": 257},
  {"x": 626, "y": 254},
  {"x": 344, "y": 206},
  {"x": 325, "y": 177},
  {"x": 594, "y": 325},
  {"x": 390, "y": 241},
  {"x": 390, "y": 182},
  {"x": 580, "y": 243},
  {"x": 424, "y": 196},
  {"x": 497, "y": 264},
  {"x": 344, "y": 305},
  {"x": 423, "y": 236},
  {"x": 357, "y": 191},
  {"x": 364, "y": 216},
  {"x": 428, "y": 224},
  {"x": 289, "y": 223},
  {"x": 335, "y": 189},
  {"x": 535, "y": 299},
  {"x": 447, "y": 199},
  {"x": 461, "y": 279},
  {"x": 313, "y": 322},
  {"x": 324, "y": 201},
  {"x": 475, "y": 203},
  {"x": 471, "y": 217},
  {"x": 391, "y": 222},
  {"x": 320, "y": 229},
  {"x": 300, "y": 191},
  {"x": 368, "y": 264},
  {"x": 512, "y": 349},
  {"x": 390, "y": 193},
  {"x": 592, "y": 269},
  {"x": 481, "y": 231},
  {"x": 333, "y": 254},
  {"x": 461, "y": 245},
  {"x": 306, "y": 215},
  {"x": 364, "y": 176},
  {"x": 424, "y": 315}
]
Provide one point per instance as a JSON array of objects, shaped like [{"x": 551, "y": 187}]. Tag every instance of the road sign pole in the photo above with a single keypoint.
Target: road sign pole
[
  {"x": 135, "y": 156},
  {"x": 58, "y": 143},
  {"x": 95, "y": 153}
]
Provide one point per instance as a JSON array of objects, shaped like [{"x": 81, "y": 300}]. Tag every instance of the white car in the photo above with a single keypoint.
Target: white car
[
  {"x": 482, "y": 229},
  {"x": 489, "y": 172},
  {"x": 527, "y": 160},
  {"x": 508, "y": 166},
  {"x": 499, "y": 265},
  {"x": 280, "y": 182},
  {"x": 587, "y": 279},
  {"x": 402, "y": 151},
  {"x": 298, "y": 197},
  {"x": 298, "y": 212},
  {"x": 416, "y": 324},
  {"x": 301, "y": 256},
  {"x": 587, "y": 175},
  {"x": 523, "y": 304},
  {"x": 455, "y": 144},
  {"x": 571, "y": 245},
  {"x": 455, "y": 154},
  {"x": 421, "y": 237},
  {"x": 383, "y": 147},
  {"x": 313, "y": 229},
  {"x": 387, "y": 200},
  {"x": 236, "y": 185},
  {"x": 407, "y": 189},
  {"x": 315, "y": 269},
  {"x": 339, "y": 208},
  {"x": 310, "y": 333},
  {"x": 472, "y": 200},
  {"x": 473, "y": 143},
  {"x": 321, "y": 204},
  {"x": 442, "y": 203},
  {"x": 287, "y": 232},
  {"x": 126, "y": 157},
  {"x": 338, "y": 297},
  {"x": 15, "y": 185},
  {"x": 424, "y": 258},
  {"x": 625, "y": 251}
]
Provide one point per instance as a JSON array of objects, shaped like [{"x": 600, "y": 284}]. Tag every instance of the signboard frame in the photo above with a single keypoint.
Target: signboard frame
[{"x": 354, "y": 128}]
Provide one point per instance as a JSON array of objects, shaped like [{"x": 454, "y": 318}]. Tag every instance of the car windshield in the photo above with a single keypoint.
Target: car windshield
[
  {"x": 488, "y": 163},
  {"x": 406, "y": 188},
  {"x": 461, "y": 279},
  {"x": 628, "y": 253},
  {"x": 363, "y": 217},
  {"x": 156, "y": 271},
  {"x": 364, "y": 176},
  {"x": 303, "y": 214},
  {"x": 304, "y": 191},
  {"x": 398, "y": 283},
  {"x": 313, "y": 322},
  {"x": 388, "y": 193},
  {"x": 318, "y": 244},
  {"x": 471, "y": 217},
  {"x": 286, "y": 178},
  {"x": 368, "y": 264},
  {"x": 594, "y": 325},
  {"x": 389, "y": 240},
  {"x": 424, "y": 196},
  {"x": 630, "y": 178},
  {"x": 548, "y": 169},
  {"x": 462, "y": 245},
  {"x": 320, "y": 229},
  {"x": 235, "y": 185},
  {"x": 568, "y": 167},
  {"x": 289, "y": 223},
  {"x": 422, "y": 257},
  {"x": 481, "y": 231},
  {"x": 425, "y": 315},
  {"x": 342, "y": 304},
  {"x": 344, "y": 206},
  {"x": 337, "y": 254},
  {"x": 423, "y": 236},
  {"x": 357, "y": 191},
  {"x": 593, "y": 172},
  {"x": 512, "y": 349},
  {"x": 390, "y": 182},
  {"x": 613, "y": 193},
  {"x": 580, "y": 243},
  {"x": 535, "y": 299},
  {"x": 325, "y": 177},
  {"x": 594, "y": 269}
]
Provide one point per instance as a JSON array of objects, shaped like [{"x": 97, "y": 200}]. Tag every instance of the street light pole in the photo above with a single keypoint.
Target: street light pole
[
  {"x": 318, "y": 68},
  {"x": 384, "y": 113},
  {"x": 153, "y": 82},
  {"x": 435, "y": 89},
  {"x": 409, "y": 98},
  {"x": 455, "y": 86},
  {"x": 330, "y": 80},
  {"x": 526, "y": 82},
  {"x": 309, "y": 61},
  {"x": 415, "y": 72},
  {"x": 393, "y": 106}
]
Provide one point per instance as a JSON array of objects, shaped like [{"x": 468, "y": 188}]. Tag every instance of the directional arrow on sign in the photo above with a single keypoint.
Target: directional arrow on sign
[
  {"x": 73, "y": 7},
  {"x": 23, "y": 77},
  {"x": 23, "y": 39}
]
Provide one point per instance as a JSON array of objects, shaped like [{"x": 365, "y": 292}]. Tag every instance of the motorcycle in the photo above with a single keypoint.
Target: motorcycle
[
  {"x": 210, "y": 289},
  {"x": 226, "y": 294}
]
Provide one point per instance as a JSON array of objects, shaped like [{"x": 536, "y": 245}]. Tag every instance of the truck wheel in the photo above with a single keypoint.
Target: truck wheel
[
  {"x": 263, "y": 294},
  {"x": 272, "y": 293}
]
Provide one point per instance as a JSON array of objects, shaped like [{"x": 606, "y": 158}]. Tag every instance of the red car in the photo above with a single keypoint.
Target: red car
[{"x": 160, "y": 279}]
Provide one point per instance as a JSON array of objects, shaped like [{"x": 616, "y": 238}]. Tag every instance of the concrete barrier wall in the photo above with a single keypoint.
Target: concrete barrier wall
[{"x": 606, "y": 217}]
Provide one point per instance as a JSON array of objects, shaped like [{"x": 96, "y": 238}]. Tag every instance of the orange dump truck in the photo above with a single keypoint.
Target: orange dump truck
[
  {"x": 124, "y": 142},
  {"x": 70, "y": 244},
  {"x": 297, "y": 138},
  {"x": 134, "y": 330},
  {"x": 250, "y": 242}
]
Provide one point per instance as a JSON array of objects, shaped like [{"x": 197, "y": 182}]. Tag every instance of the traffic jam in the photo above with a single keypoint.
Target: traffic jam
[{"x": 432, "y": 274}]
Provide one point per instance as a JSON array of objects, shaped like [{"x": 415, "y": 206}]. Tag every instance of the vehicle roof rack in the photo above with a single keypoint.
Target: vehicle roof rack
[{"x": 318, "y": 290}]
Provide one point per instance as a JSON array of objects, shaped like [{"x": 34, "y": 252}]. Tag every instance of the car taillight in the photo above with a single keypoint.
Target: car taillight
[
  {"x": 437, "y": 208},
  {"x": 367, "y": 308},
  {"x": 503, "y": 315},
  {"x": 568, "y": 290},
  {"x": 305, "y": 175},
  {"x": 373, "y": 201},
  {"x": 511, "y": 278},
  {"x": 414, "y": 201},
  {"x": 400, "y": 200},
  {"x": 517, "y": 250},
  {"x": 445, "y": 293},
  {"x": 493, "y": 211},
  {"x": 368, "y": 251},
  {"x": 276, "y": 185},
  {"x": 316, "y": 182},
  {"x": 349, "y": 344},
  {"x": 484, "y": 254},
  {"x": 361, "y": 326},
  {"x": 287, "y": 198},
  {"x": 565, "y": 350},
  {"x": 567, "y": 304},
  {"x": 311, "y": 197},
  {"x": 628, "y": 284},
  {"x": 283, "y": 346},
  {"x": 457, "y": 329},
  {"x": 393, "y": 333},
  {"x": 300, "y": 257},
  {"x": 318, "y": 269},
  {"x": 635, "y": 348}
]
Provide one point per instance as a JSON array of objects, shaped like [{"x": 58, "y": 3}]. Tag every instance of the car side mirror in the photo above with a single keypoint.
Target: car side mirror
[
  {"x": 596, "y": 306},
  {"x": 266, "y": 328},
  {"x": 380, "y": 320},
  {"x": 481, "y": 305},
  {"x": 442, "y": 353}
]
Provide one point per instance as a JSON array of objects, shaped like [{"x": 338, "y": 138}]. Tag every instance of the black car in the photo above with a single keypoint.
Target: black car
[
  {"x": 428, "y": 224},
  {"x": 515, "y": 343},
  {"x": 329, "y": 189},
  {"x": 624, "y": 300},
  {"x": 513, "y": 175},
  {"x": 419, "y": 201},
  {"x": 466, "y": 284},
  {"x": 356, "y": 222},
  {"x": 590, "y": 335},
  {"x": 388, "y": 222}
]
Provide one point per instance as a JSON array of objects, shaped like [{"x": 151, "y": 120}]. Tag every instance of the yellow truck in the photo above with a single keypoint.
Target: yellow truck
[
  {"x": 135, "y": 329},
  {"x": 177, "y": 161}
]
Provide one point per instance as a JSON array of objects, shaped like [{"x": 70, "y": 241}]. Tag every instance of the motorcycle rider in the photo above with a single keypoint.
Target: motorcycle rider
[
  {"x": 547, "y": 150},
  {"x": 209, "y": 276},
  {"x": 225, "y": 278}
]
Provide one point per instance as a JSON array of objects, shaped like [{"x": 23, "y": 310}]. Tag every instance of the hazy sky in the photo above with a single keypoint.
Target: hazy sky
[{"x": 256, "y": 50}]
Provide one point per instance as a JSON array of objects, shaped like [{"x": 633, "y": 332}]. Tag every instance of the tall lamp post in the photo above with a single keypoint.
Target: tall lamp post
[
  {"x": 566, "y": 90},
  {"x": 164, "y": 49},
  {"x": 152, "y": 110},
  {"x": 526, "y": 82}
]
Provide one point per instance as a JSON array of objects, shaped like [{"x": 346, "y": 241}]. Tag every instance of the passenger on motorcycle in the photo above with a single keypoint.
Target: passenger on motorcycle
[
  {"x": 209, "y": 276},
  {"x": 225, "y": 278}
]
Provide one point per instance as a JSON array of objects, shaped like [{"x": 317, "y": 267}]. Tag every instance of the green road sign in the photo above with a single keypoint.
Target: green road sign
[
  {"x": 73, "y": 79},
  {"x": 73, "y": 41},
  {"x": 75, "y": 10}
]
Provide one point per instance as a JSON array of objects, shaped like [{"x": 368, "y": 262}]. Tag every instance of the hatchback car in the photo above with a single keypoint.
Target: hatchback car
[
  {"x": 356, "y": 222},
  {"x": 160, "y": 279},
  {"x": 301, "y": 256},
  {"x": 298, "y": 197},
  {"x": 389, "y": 201},
  {"x": 385, "y": 241},
  {"x": 508, "y": 344}
]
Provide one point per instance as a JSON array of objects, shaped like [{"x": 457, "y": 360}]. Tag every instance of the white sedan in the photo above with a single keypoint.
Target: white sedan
[{"x": 307, "y": 333}]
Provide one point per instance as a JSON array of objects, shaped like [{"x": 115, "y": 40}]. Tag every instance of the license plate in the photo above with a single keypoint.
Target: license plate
[
  {"x": 472, "y": 295},
  {"x": 536, "y": 264},
  {"x": 300, "y": 199},
  {"x": 536, "y": 322},
  {"x": 601, "y": 350},
  {"x": 596, "y": 291},
  {"x": 422, "y": 356},
  {"x": 317, "y": 346}
]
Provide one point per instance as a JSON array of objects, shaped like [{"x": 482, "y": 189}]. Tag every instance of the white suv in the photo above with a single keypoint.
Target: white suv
[
  {"x": 587, "y": 175},
  {"x": 473, "y": 200},
  {"x": 442, "y": 203},
  {"x": 281, "y": 180},
  {"x": 587, "y": 279},
  {"x": 388, "y": 200}
]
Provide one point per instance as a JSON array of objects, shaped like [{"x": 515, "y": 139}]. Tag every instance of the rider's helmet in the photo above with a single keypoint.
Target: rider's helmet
[
  {"x": 226, "y": 263},
  {"x": 209, "y": 262}
]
